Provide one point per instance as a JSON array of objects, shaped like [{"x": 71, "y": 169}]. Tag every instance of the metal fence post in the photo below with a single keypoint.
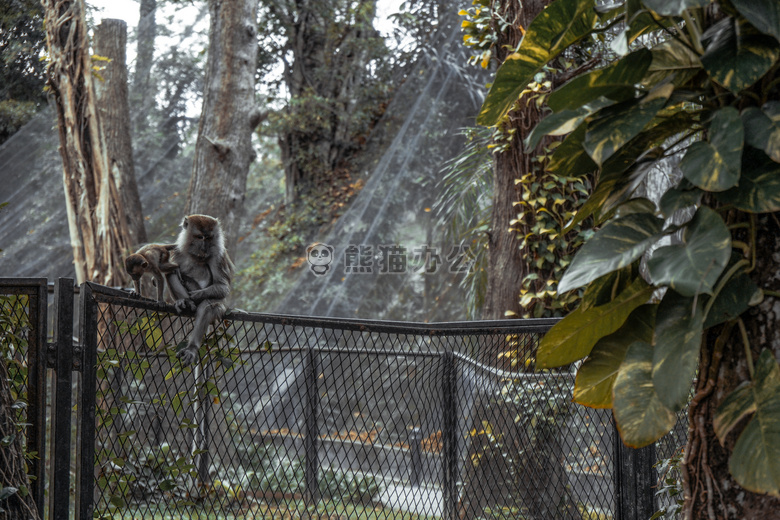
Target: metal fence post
[
  {"x": 312, "y": 432},
  {"x": 85, "y": 479},
  {"x": 449, "y": 437},
  {"x": 59, "y": 487},
  {"x": 634, "y": 477}
]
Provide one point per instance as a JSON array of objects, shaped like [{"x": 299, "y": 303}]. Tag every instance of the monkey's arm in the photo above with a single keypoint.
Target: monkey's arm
[
  {"x": 219, "y": 290},
  {"x": 180, "y": 294}
]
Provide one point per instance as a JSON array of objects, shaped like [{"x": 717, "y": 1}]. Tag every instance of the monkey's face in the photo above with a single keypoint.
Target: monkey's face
[
  {"x": 136, "y": 265},
  {"x": 319, "y": 257},
  {"x": 202, "y": 236}
]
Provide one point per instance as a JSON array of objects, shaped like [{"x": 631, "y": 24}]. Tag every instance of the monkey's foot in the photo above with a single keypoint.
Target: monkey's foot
[
  {"x": 188, "y": 355},
  {"x": 185, "y": 304}
]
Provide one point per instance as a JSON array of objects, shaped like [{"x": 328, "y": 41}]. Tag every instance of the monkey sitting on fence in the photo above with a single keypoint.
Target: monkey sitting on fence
[
  {"x": 202, "y": 281},
  {"x": 153, "y": 259}
]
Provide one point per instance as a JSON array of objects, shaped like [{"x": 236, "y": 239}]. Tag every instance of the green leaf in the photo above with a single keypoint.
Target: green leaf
[
  {"x": 758, "y": 190},
  {"x": 7, "y": 492},
  {"x": 673, "y": 7},
  {"x": 570, "y": 158},
  {"x": 602, "y": 290},
  {"x": 694, "y": 266},
  {"x": 640, "y": 415},
  {"x": 672, "y": 58},
  {"x": 714, "y": 165},
  {"x": 616, "y": 82},
  {"x": 762, "y": 128},
  {"x": 755, "y": 460},
  {"x": 734, "y": 299},
  {"x": 166, "y": 485},
  {"x": 561, "y": 24},
  {"x": 763, "y": 14},
  {"x": 596, "y": 376},
  {"x": 562, "y": 123},
  {"x": 737, "y": 55},
  {"x": 634, "y": 206},
  {"x": 678, "y": 333},
  {"x": 573, "y": 337},
  {"x": 614, "y": 246},
  {"x": 684, "y": 195},
  {"x": 616, "y": 125}
]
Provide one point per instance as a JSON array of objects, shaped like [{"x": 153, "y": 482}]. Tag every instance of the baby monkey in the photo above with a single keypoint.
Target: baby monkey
[{"x": 154, "y": 259}]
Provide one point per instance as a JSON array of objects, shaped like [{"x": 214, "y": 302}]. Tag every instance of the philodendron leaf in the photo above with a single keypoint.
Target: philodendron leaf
[
  {"x": 737, "y": 55},
  {"x": 736, "y": 297},
  {"x": 758, "y": 190},
  {"x": 715, "y": 164},
  {"x": 677, "y": 342},
  {"x": 694, "y": 266},
  {"x": 640, "y": 415},
  {"x": 573, "y": 337},
  {"x": 755, "y": 461},
  {"x": 564, "y": 122},
  {"x": 615, "y": 126},
  {"x": 763, "y": 14},
  {"x": 615, "y": 82},
  {"x": 596, "y": 376},
  {"x": 682, "y": 196},
  {"x": 673, "y": 7},
  {"x": 570, "y": 158},
  {"x": 762, "y": 128},
  {"x": 672, "y": 58},
  {"x": 613, "y": 247},
  {"x": 561, "y": 24}
]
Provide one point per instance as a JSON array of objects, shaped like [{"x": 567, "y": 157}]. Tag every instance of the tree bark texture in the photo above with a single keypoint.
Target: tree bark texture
[
  {"x": 13, "y": 469},
  {"x": 224, "y": 149},
  {"x": 142, "y": 92},
  {"x": 114, "y": 112},
  {"x": 710, "y": 491},
  {"x": 506, "y": 265},
  {"x": 99, "y": 236}
]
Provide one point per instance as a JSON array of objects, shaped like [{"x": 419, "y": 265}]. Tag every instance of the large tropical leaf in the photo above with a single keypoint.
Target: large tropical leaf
[
  {"x": 755, "y": 461},
  {"x": 573, "y": 337},
  {"x": 693, "y": 267},
  {"x": 570, "y": 158},
  {"x": 615, "y": 126},
  {"x": 563, "y": 122},
  {"x": 616, "y": 82},
  {"x": 640, "y": 415},
  {"x": 596, "y": 376},
  {"x": 561, "y": 24},
  {"x": 734, "y": 298},
  {"x": 763, "y": 14},
  {"x": 672, "y": 58},
  {"x": 673, "y": 7},
  {"x": 677, "y": 342},
  {"x": 758, "y": 190},
  {"x": 737, "y": 55},
  {"x": 762, "y": 128},
  {"x": 614, "y": 246},
  {"x": 684, "y": 195},
  {"x": 715, "y": 164}
]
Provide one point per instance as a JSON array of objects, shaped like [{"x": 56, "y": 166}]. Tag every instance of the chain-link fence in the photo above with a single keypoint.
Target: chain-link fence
[{"x": 287, "y": 417}]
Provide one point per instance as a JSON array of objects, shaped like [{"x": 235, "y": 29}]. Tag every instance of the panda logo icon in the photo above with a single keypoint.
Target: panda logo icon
[{"x": 319, "y": 256}]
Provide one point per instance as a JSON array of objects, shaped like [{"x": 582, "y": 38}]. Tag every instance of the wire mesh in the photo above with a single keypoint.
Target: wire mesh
[{"x": 287, "y": 417}]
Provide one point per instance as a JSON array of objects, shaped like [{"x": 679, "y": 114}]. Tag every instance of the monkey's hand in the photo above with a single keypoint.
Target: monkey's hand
[
  {"x": 188, "y": 355},
  {"x": 185, "y": 304}
]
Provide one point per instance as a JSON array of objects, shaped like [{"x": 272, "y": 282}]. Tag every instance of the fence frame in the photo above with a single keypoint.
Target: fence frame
[{"x": 633, "y": 469}]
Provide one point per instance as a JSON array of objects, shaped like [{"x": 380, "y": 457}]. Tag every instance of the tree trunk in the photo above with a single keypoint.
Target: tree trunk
[
  {"x": 224, "y": 149},
  {"x": 13, "y": 468},
  {"x": 114, "y": 112},
  {"x": 99, "y": 236},
  {"x": 710, "y": 491},
  {"x": 143, "y": 94},
  {"x": 506, "y": 265}
]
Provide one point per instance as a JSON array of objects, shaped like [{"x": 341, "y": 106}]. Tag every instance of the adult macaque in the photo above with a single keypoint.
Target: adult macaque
[
  {"x": 202, "y": 282},
  {"x": 153, "y": 259}
]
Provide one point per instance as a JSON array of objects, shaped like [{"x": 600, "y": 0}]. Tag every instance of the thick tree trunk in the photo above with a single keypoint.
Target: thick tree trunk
[
  {"x": 224, "y": 149},
  {"x": 506, "y": 264},
  {"x": 114, "y": 112},
  {"x": 98, "y": 232},
  {"x": 142, "y": 92},
  {"x": 711, "y": 493}
]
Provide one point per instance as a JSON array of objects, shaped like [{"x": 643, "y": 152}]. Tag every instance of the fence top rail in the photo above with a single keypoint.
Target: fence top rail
[
  {"x": 21, "y": 285},
  {"x": 455, "y": 328}
]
